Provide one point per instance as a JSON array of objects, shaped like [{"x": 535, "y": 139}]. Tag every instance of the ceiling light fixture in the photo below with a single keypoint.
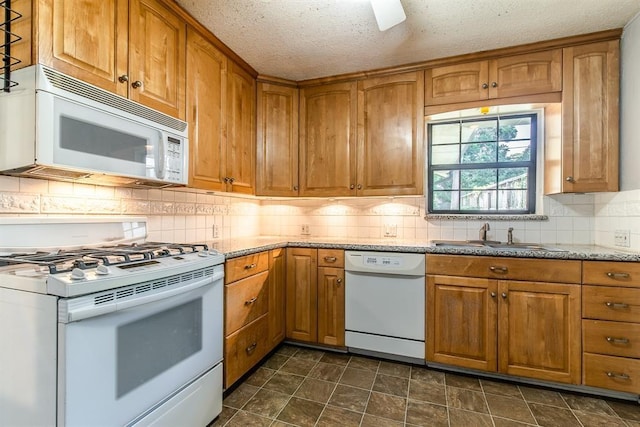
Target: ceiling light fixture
[{"x": 388, "y": 13}]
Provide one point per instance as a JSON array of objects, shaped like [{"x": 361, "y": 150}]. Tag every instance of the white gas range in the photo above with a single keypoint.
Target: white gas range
[{"x": 110, "y": 330}]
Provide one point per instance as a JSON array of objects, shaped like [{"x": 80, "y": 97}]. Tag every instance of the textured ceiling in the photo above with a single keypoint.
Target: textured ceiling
[{"x": 304, "y": 39}]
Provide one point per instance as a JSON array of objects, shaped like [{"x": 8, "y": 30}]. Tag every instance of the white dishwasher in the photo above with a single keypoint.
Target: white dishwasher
[{"x": 385, "y": 304}]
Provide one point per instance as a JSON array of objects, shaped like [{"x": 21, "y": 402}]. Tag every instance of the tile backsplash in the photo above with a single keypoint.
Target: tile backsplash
[{"x": 192, "y": 215}]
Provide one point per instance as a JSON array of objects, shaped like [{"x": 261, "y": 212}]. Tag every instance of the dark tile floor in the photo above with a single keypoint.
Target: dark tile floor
[{"x": 305, "y": 387}]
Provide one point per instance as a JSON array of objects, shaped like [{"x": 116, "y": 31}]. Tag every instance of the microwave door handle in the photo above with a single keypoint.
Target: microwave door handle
[{"x": 160, "y": 158}]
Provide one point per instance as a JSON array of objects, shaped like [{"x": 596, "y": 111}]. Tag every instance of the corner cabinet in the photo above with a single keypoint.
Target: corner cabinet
[
  {"x": 134, "y": 48},
  {"x": 585, "y": 158},
  {"x": 277, "y": 140},
  {"x": 507, "y": 318},
  {"x": 363, "y": 138}
]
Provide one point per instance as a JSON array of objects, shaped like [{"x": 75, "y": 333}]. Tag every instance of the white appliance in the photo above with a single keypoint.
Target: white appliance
[
  {"x": 385, "y": 304},
  {"x": 57, "y": 127},
  {"x": 126, "y": 333}
]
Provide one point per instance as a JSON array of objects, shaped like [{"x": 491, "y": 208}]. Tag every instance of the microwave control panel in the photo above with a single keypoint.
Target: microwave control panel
[{"x": 174, "y": 159}]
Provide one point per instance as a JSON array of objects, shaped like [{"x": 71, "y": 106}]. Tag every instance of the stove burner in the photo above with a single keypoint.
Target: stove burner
[{"x": 64, "y": 261}]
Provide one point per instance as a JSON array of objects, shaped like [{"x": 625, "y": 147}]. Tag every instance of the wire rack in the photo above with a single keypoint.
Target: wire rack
[{"x": 7, "y": 38}]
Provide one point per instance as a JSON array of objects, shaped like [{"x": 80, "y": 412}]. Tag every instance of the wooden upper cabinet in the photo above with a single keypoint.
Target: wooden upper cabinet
[
  {"x": 509, "y": 76},
  {"x": 132, "y": 48},
  {"x": 157, "y": 41},
  {"x": 328, "y": 119},
  {"x": 206, "y": 112},
  {"x": 241, "y": 101},
  {"x": 390, "y": 135},
  {"x": 277, "y": 139},
  {"x": 590, "y": 118},
  {"x": 86, "y": 40}
]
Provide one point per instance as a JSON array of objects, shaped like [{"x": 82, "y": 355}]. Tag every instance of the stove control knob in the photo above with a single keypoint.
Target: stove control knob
[
  {"x": 102, "y": 270},
  {"x": 77, "y": 274}
]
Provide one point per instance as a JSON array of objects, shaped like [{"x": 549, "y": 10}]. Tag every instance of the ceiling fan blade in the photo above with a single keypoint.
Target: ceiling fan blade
[{"x": 388, "y": 13}]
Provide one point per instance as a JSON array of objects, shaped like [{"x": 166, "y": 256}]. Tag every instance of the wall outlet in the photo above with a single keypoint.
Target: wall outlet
[
  {"x": 216, "y": 231},
  {"x": 390, "y": 230},
  {"x": 304, "y": 230},
  {"x": 621, "y": 238}
]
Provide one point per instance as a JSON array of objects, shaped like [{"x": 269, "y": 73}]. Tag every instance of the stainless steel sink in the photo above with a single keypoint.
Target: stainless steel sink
[{"x": 492, "y": 244}]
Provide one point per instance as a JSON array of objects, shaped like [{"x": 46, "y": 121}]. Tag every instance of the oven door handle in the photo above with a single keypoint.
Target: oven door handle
[{"x": 86, "y": 312}]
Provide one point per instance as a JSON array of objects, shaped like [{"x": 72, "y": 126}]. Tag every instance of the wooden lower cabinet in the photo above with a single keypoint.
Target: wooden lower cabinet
[
  {"x": 254, "y": 310},
  {"x": 315, "y": 296},
  {"x": 528, "y": 329}
]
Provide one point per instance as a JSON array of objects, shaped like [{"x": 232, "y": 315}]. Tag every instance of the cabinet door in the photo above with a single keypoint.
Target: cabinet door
[
  {"x": 457, "y": 83},
  {"x": 277, "y": 136},
  {"x": 241, "y": 100},
  {"x": 302, "y": 294},
  {"x": 86, "y": 40},
  {"x": 206, "y": 112},
  {"x": 539, "y": 331},
  {"x": 328, "y": 118},
  {"x": 277, "y": 296},
  {"x": 529, "y": 74},
  {"x": 390, "y": 129},
  {"x": 331, "y": 306},
  {"x": 461, "y": 322},
  {"x": 590, "y": 117},
  {"x": 157, "y": 44}
]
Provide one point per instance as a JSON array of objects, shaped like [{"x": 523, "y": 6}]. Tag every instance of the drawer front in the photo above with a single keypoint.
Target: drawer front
[
  {"x": 331, "y": 258},
  {"x": 245, "y": 301},
  {"x": 609, "y": 303},
  {"x": 539, "y": 270},
  {"x": 244, "y": 349},
  {"x": 610, "y": 372},
  {"x": 612, "y": 338},
  {"x": 239, "y": 268},
  {"x": 626, "y": 274}
]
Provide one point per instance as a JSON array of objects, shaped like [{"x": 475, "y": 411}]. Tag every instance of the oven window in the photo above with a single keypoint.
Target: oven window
[
  {"x": 89, "y": 138},
  {"x": 152, "y": 345}
]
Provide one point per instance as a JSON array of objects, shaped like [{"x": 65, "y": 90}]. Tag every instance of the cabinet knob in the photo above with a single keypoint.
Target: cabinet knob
[
  {"x": 252, "y": 347},
  {"x": 359, "y": 186},
  {"x": 231, "y": 179},
  {"x": 485, "y": 86},
  {"x": 620, "y": 276},
  {"x": 295, "y": 188},
  {"x": 494, "y": 84},
  {"x": 569, "y": 179},
  {"x": 123, "y": 78},
  {"x": 493, "y": 294},
  {"x": 504, "y": 295},
  {"x": 137, "y": 84},
  {"x": 339, "y": 281},
  {"x": 351, "y": 187}
]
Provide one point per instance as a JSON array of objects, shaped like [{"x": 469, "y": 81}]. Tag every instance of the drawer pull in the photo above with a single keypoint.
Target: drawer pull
[
  {"x": 330, "y": 259},
  {"x": 251, "y": 301},
  {"x": 249, "y": 267},
  {"x": 499, "y": 270},
  {"x": 613, "y": 275},
  {"x": 613, "y": 340},
  {"x": 616, "y": 304},
  {"x": 251, "y": 348},
  {"x": 618, "y": 376}
]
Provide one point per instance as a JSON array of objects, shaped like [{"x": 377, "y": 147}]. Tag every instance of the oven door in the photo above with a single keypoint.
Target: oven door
[{"x": 116, "y": 366}]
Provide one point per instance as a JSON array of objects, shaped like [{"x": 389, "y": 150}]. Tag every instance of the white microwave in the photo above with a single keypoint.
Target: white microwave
[{"x": 58, "y": 127}]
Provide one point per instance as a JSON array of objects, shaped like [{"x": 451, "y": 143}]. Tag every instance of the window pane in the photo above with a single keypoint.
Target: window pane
[
  {"x": 472, "y": 179},
  {"x": 479, "y": 153},
  {"x": 513, "y": 178},
  {"x": 517, "y": 128},
  {"x": 446, "y": 180},
  {"x": 484, "y": 200},
  {"x": 514, "y": 151},
  {"x": 445, "y": 200},
  {"x": 445, "y": 155},
  {"x": 445, "y": 134},
  {"x": 512, "y": 200},
  {"x": 479, "y": 131}
]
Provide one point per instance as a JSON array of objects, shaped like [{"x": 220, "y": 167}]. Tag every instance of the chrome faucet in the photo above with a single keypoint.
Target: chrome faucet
[
  {"x": 483, "y": 231},
  {"x": 510, "y": 236}
]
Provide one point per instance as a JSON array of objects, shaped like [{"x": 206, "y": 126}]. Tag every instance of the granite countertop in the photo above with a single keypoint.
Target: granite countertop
[{"x": 233, "y": 248}]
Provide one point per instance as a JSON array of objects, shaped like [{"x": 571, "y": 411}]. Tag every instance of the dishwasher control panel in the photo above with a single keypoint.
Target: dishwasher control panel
[{"x": 396, "y": 263}]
